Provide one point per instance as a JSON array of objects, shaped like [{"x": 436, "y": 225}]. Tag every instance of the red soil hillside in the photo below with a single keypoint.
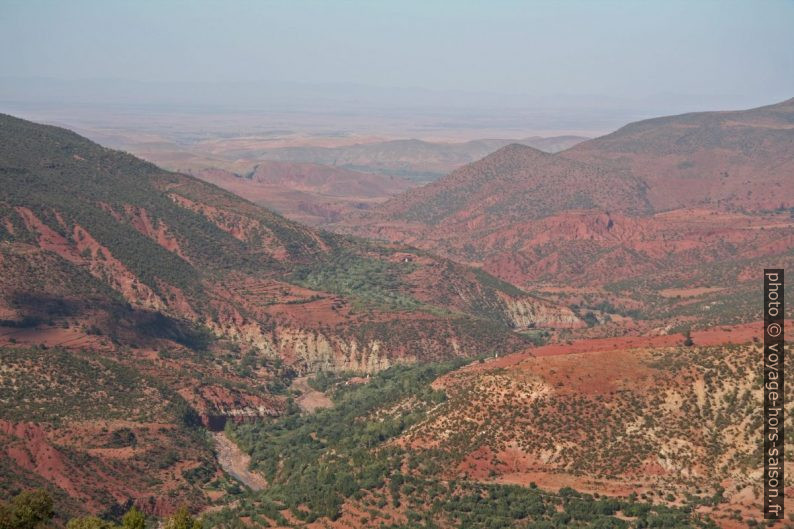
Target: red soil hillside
[
  {"x": 516, "y": 182},
  {"x": 739, "y": 158},
  {"x": 600, "y": 214},
  {"x": 650, "y": 417}
]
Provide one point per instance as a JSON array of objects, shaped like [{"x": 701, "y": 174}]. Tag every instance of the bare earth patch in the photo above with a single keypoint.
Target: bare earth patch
[
  {"x": 310, "y": 400},
  {"x": 688, "y": 292}
]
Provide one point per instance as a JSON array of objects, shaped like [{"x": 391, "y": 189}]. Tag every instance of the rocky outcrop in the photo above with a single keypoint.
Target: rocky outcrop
[{"x": 527, "y": 313}]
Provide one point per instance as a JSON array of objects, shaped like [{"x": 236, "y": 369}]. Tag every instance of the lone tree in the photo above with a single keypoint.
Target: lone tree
[
  {"x": 688, "y": 341},
  {"x": 134, "y": 519}
]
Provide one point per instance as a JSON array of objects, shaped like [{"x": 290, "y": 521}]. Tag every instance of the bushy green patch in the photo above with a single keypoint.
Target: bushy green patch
[
  {"x": 316, "y": 461},
  {"x": 497, "y": 284},
  {"x": 371, "y": 282},
  {"x": 325, "y": 380}
]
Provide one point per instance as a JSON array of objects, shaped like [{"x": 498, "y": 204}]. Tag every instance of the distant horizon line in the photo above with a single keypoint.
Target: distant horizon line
[{"x": 375, "y": 86}]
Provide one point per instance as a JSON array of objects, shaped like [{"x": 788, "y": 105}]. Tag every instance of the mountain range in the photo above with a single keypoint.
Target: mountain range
[
  {"x": 533, "y": 340},
  {"x": 734, "y": 159},
  {"x": 699, "y": 199},
  {"x": 315, "y": 179}
]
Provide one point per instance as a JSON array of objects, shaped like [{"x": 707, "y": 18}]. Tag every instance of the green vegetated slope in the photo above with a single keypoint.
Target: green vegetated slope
[
  {"x": 347, "y": 464},
  {"x": 736, "y": 159},
  {"x": 49, "y": 385}
]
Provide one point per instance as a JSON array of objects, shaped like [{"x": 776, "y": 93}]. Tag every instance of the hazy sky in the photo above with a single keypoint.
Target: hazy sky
[{"x": 622, "y": 48}]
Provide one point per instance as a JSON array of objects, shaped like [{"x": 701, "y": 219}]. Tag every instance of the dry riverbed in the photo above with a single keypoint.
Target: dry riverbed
[{"x": 235, "y": 462}]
